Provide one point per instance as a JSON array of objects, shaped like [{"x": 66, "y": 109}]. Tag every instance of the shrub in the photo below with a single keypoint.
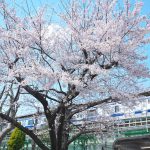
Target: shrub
[{"x": 16, "y": 140}]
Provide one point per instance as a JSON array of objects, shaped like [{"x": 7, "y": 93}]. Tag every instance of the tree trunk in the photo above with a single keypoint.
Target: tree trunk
[
  {"x": 63, "y": 130},
  {"x": 63, "y": 145},
  {"x": 59, "y": 132}
]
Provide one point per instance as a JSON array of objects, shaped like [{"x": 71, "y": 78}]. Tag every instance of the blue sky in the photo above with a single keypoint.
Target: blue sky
[{"x": 146, "y": 11}]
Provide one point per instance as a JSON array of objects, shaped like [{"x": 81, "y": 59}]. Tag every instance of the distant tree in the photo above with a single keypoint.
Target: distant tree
[
  {"x": 16, "y": 140},
  {"x": 9, "y": 96}
]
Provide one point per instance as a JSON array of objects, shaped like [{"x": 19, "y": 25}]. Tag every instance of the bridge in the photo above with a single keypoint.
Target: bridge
[{"x": 132, "y": 133}]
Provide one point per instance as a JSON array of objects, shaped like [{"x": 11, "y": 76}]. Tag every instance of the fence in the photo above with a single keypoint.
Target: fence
[{"x": 85, "y": 142}]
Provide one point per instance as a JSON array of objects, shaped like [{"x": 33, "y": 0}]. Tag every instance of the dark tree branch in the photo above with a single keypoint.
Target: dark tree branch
[
  {"x": 40, "y": 97},
  {"x": 82, "y": 107},
  {"x": 2, "y": 93},
  {"x": 17, "y": 95},
  {"x": 59, "y": 92},
  {"x": 109, "y": 66},
  {"x": 147, "y": 93}
]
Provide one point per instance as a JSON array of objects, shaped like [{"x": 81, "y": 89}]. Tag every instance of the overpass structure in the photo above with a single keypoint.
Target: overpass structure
[{"x": 125, "y": 131}]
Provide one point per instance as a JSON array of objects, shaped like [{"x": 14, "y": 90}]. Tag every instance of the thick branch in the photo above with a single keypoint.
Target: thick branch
[
  {"x": 82, "y": 107},
  {"x": 40, "y": 97},
  {"x": 109, "y": 66},
  {"x": 144, "y": 94}
]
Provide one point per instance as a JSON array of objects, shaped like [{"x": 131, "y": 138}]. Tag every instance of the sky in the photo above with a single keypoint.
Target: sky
[{"x": 146, "y": 11}]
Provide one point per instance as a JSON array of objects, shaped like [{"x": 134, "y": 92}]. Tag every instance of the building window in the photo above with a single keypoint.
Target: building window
[
  {"x": 30, "y": 122},
  {"x": 116, "y": 108}
]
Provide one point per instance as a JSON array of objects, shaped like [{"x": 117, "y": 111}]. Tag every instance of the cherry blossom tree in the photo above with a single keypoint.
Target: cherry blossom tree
[
  {"x": 97, "y": 57},
  {"x": 9, "y": 97}
]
